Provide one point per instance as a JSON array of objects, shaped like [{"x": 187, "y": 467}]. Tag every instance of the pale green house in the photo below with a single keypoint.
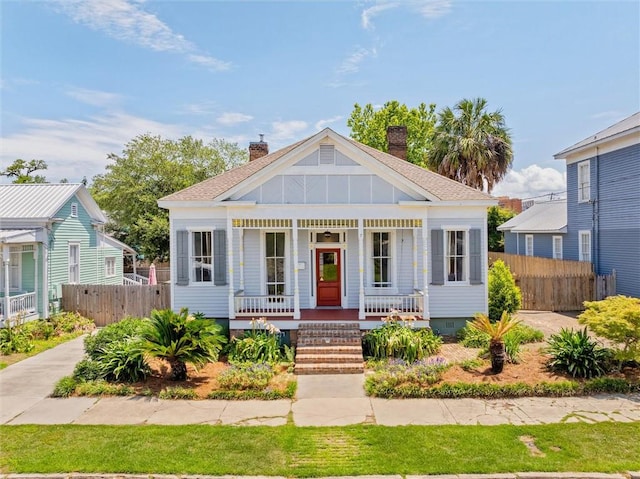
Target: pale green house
[{"x": 50, "y": 235}]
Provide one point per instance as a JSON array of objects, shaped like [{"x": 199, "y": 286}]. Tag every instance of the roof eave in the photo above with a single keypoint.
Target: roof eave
[{"x": 573, "y": 150}]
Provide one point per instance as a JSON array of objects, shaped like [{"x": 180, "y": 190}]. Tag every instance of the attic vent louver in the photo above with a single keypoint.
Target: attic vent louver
[{"x": 327, "y": 154}]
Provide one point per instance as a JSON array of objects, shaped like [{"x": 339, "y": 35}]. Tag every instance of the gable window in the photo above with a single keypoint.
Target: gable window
[
  {"x": 584, "y": 245},
  {"x": 381, "y": 259},
  {"x": 74, "y": 210},
  {"x": 584, "y": 182},
  {"x": 201, "y": 257},
  {"x": 557, "y": 247},
  {"x": 528, "y": 246},
  {"x": 110, "y": 266},
  {"x": 275, "y": 263},
  {"x": 456, "y": 256},
  {"x": 74, "y": 263}
]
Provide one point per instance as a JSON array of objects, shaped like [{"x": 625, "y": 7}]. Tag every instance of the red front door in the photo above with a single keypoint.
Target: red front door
[{"x": 328, "y": 277}]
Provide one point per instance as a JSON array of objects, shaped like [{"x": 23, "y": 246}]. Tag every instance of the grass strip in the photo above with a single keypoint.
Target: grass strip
[
  {"x": 323, "y": 451},
  {"x": 39, "y": 345}
]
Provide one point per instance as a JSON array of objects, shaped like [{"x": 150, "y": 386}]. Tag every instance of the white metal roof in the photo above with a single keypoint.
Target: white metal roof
[
  {"x": 549, "y": 217},
  {"x": 623, "y": 127},
  {"x": 43, "y": 200}
]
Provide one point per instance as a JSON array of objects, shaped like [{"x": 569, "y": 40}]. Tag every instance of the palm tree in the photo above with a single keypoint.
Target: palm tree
[
  {"x": 180, "y": 339},
  {"x": 471, "y": 145},
  {"x": 496, "y": 332}
]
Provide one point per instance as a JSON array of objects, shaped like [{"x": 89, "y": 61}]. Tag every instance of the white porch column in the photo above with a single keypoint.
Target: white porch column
[
  {"x": 361, "y": 312},
  {"x": 36, "y": 280},
  {"x": 232, "y": 304},
  {"x": 45, "y": 277},
  {"x": 296, "y": 286},
  {"x": 415, "y": 258},
  {"x": 425, "y": 270},
  {"x": 6, "y": 258},
  {"x": 241, "y": 258}
]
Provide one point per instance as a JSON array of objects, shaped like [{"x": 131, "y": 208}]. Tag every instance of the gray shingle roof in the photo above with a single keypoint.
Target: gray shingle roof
[
  {"x": 549, "y": 217},
  {"x": 437, "y": 185},
  {"x": 622, "y": 127}
]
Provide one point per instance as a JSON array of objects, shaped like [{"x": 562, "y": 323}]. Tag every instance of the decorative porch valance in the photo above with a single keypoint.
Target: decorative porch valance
[
  {"x": 393, "y": 223},
  {"x": 262, "y": 223},
  {"x": 328, "y": 223}
]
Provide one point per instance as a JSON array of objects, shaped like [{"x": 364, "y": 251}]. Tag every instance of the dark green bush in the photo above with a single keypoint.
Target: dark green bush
[
  {"x": 88, "y": 370},
  {"x": 127, "y": 328},
  {"x": 124, "y": 360},
  {"x": 504, "y": 295},
  {"x": 65, "y": 387},
  {"x": 574, "y": 352}
]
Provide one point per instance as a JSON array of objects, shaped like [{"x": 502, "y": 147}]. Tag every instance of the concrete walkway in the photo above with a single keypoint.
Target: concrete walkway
[{"x": 321, "y": 401}]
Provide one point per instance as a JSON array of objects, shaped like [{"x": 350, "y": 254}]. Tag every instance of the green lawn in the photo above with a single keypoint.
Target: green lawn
[
  {"x": 332, "y": 451},
  {"x": 40, "y": 345}
]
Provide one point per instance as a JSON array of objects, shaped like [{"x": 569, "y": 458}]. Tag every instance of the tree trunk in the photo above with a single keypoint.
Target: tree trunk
[
  {"x": 498, "y": 356},
  {"x": 178, "y": 370}
]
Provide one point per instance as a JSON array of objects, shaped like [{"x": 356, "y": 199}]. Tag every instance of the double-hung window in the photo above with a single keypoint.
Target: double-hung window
[
  {"x": 557, "y": 247},
  {"x": 584, "y": 245},
  {"x": 110, "y": 266},
  {"x": 74, "y": 263},
  {"x": 275, "y": 263},
  {"x": 528, "y": 239},
  {"x": 456, "y": 256},
  {"x": 201, "y": 256},
  {"x": 584, "y": 182},
  {"x": 381, "y": 259}
]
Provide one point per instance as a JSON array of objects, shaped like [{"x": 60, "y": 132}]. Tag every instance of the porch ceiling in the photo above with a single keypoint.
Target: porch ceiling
[{"x": 18, "y": 236}]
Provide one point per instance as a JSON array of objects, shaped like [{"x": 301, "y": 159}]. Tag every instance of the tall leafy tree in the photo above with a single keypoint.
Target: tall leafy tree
[
  {"x": 149, "y": 168},
  {"x": 22, "y": 171},
  {"x": 369, "y": 126},
  {"x": 471, "y": 145},
  {"x": 497, "y": 215}
]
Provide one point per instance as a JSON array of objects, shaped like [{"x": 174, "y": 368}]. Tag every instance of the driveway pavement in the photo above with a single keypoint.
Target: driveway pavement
[{"x": 321, "y": 401}]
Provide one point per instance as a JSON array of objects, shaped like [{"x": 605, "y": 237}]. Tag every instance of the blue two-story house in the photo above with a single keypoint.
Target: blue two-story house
[{"x": 603, "y": 202}]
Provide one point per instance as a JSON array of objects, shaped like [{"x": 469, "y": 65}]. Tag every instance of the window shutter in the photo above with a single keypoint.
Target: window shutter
[
  {"x": 182, "y": 258},
  {"x": 437, "y": 257},
  {"x": 475, "y": 256},
  {"x": 219, "y": 257}
]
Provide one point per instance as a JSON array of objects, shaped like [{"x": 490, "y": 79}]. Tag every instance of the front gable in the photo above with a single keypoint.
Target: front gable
[{"x": 327, "y": 172}]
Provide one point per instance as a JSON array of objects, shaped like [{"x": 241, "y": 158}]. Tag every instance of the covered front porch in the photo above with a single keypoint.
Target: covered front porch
[{"x": 327, "y": 269}]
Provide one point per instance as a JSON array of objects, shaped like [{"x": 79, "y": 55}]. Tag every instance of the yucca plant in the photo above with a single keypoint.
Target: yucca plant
[
  {"x": 576, "y": 353},
  {"x": 496, "y": 331},
  {"x": 180, "y": 339}
]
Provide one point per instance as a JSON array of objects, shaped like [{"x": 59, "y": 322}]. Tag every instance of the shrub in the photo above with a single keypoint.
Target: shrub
[
  {"x": 68, "y": 322},
  {"x": 398, "y": 339},
  {"x": 88, "y": 370},
  {"x": 127, "y": 328},
  {"x": 246, "y": 376},
  {"x": 616, "y": 318},
  {"x": 15, "y": 339},
  {"x": 64, "y": 388},
  {"x": 504, "y": 295},
  {"x": 574, "y": 352},
  {"x": 180, "y": 338},
  {"x": 471, "y": 337},
  {"x": 39, "y": 329},
  {"x": 124, "y": 361},
  {"x": 261, "y": 344}
]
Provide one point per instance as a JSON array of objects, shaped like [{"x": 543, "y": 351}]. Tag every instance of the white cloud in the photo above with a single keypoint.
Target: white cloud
[
  {"x": 94, "y": 97},
  {"x": 200, "y": 108},
  {"x": 285, "y": 130},
  {"x": 607, "y": 115},
  {"x": 351, "y": 64},
  {"x": 530, "y": 182},
  {"x": 127, "y": 21},
  {"x": 74, "y": 148},
  {"x": 233, "y": 118},
  {"x": 320, "y": 124},
  {"x": 429, "y": 9}
]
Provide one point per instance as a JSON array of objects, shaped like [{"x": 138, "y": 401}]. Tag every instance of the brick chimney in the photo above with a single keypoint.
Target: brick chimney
[
  {"x": 397, "y": 141},
  {"x": 258, "y": 149}
]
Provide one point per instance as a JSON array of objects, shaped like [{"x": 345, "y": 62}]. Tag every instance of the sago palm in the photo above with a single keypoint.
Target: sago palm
[
  {"x": 180, "y": 339},
  {"x": 496, "y": 332},
  {"x": 471, "y": 145}
]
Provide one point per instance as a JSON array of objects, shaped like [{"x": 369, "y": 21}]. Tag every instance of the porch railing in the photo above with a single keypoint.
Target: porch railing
[
  {"x": 20, "y": 304},
  {"x": 270, "y": 305},
  {"x": 404, "y": 303},
  {"x": 134, "y": 278}
]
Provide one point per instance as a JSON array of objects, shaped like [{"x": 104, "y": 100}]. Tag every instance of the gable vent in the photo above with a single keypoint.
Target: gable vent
[{"x": 327, "y": 154}]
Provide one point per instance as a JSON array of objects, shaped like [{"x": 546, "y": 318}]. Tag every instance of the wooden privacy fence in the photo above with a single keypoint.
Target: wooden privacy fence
[
  {"x": 533, "y": 266},
  {"x": 556, "y": 293},
  {"x": 107, "y": 304}
]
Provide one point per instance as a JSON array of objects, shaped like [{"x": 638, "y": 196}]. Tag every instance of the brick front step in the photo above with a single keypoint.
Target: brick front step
[
  {"x": 328, "y": 358},
  {"x": 329, "y": 349},
  {"x": 316, "y": 326},
  {"x": 322, "y": 341},
  {"x": 330, "y": 333},
  {"x": 329, "y": 368}
]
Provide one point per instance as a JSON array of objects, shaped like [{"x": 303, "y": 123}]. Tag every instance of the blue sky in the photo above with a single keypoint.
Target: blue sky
[{"x": 81, "y": 78}]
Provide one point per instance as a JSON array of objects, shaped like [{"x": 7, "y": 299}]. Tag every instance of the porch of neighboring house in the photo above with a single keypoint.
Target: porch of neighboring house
[
  {"x": 331, "y": 290},
  {"x": 18, "y": 282}
]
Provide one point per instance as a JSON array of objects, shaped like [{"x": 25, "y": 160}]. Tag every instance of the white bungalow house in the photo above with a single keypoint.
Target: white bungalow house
[{"x": 329, "y": 228}]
